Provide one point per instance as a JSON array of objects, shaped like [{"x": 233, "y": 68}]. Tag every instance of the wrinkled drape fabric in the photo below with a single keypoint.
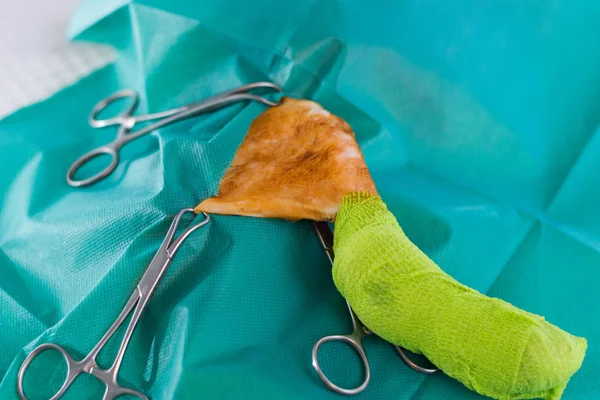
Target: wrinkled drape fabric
[{"x": 478, "y": 122}]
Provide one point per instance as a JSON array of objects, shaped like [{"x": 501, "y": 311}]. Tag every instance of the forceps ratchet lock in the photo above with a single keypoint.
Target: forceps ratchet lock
[
  {"x": 126, "y": 121},
  {"x": 359, "y": 331},
  {"x": 137, "y": 303}
]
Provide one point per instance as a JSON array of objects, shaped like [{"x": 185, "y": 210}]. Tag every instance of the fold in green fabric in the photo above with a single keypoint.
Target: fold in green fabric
[{"x": 486, "y": 343}]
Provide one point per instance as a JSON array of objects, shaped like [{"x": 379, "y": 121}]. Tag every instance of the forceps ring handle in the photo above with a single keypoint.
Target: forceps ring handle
[
  {"x": 110, "y": 395},
  {"x": 72, "y": 369},
  {"x": 121, "y": 117},
  {"x": 111, "y": 150},
  {"x": 356, "y": 344},
  {"x": 411, "y": 364}
]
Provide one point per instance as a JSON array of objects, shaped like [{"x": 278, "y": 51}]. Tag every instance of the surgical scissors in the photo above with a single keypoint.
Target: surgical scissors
[
  {"x": 126, "y": 122},
  {"x": 136, "y": 304},
  {"x": 359, "y": 331}
]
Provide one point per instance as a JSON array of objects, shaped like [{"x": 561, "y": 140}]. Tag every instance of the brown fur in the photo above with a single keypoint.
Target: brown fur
[{"x": 296, "y": 162}]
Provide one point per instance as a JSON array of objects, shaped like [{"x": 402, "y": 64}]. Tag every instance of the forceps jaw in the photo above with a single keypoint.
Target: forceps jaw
[
  {"x": 254, "y": 86},
  {"x": 164, "y": 256},
  {"x": 171, "y": 244}
]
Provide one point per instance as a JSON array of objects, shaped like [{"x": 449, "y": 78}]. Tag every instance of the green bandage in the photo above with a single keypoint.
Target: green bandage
[{"x": 486, "y": 343}]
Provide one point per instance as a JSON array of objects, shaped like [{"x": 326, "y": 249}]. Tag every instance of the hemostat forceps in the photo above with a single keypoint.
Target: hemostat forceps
[
  {"x": 125, "y": 122},
  {"x": 136, "y": 305}
]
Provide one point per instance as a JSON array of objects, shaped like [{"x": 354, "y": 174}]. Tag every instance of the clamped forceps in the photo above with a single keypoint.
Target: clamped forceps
[
  {"x": 126, "y": 122},
  {"x": 359, "y": 331},
  {"x": 136, "y": 305}
]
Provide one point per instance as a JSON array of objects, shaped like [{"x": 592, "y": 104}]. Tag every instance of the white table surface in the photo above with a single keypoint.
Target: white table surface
[{"x": 35, "y": 58}]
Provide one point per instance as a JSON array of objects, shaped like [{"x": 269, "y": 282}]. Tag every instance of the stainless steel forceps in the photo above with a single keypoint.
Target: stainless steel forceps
[
  {"x": 126, "y": 122},
  {"x": 136, "y": 304},
  {"x": 359, "y": 331}
]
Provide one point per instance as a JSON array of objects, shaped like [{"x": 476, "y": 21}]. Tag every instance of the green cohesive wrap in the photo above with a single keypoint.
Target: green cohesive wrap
[{"x": 486, "y": 343}]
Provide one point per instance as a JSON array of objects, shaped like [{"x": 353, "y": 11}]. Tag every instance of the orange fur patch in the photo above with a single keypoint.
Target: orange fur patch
[{"x": 297, "y": 161}]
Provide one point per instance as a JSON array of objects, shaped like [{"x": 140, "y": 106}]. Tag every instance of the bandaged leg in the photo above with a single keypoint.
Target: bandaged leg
[{"x": 487, "y": 344}]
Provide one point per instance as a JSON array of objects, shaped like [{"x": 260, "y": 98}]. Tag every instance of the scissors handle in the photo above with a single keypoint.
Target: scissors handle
[{"x": 355, "y": 342}]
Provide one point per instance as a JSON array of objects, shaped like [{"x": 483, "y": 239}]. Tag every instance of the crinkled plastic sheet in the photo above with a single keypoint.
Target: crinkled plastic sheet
[{"x": 478, "y": 121}]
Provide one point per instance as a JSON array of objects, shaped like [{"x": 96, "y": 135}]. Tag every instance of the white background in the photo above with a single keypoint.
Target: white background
[{"x": 35, "y": 58}]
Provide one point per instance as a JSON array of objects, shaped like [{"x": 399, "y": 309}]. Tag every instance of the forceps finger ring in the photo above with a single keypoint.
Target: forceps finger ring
[
  {"x": 111, "y": 149},
  {"x": 355, "y": 341},
  {"x": 411, "y": 364},
  {"x": 72, "y": 369},
  {"x": 118, "y": 119}
]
